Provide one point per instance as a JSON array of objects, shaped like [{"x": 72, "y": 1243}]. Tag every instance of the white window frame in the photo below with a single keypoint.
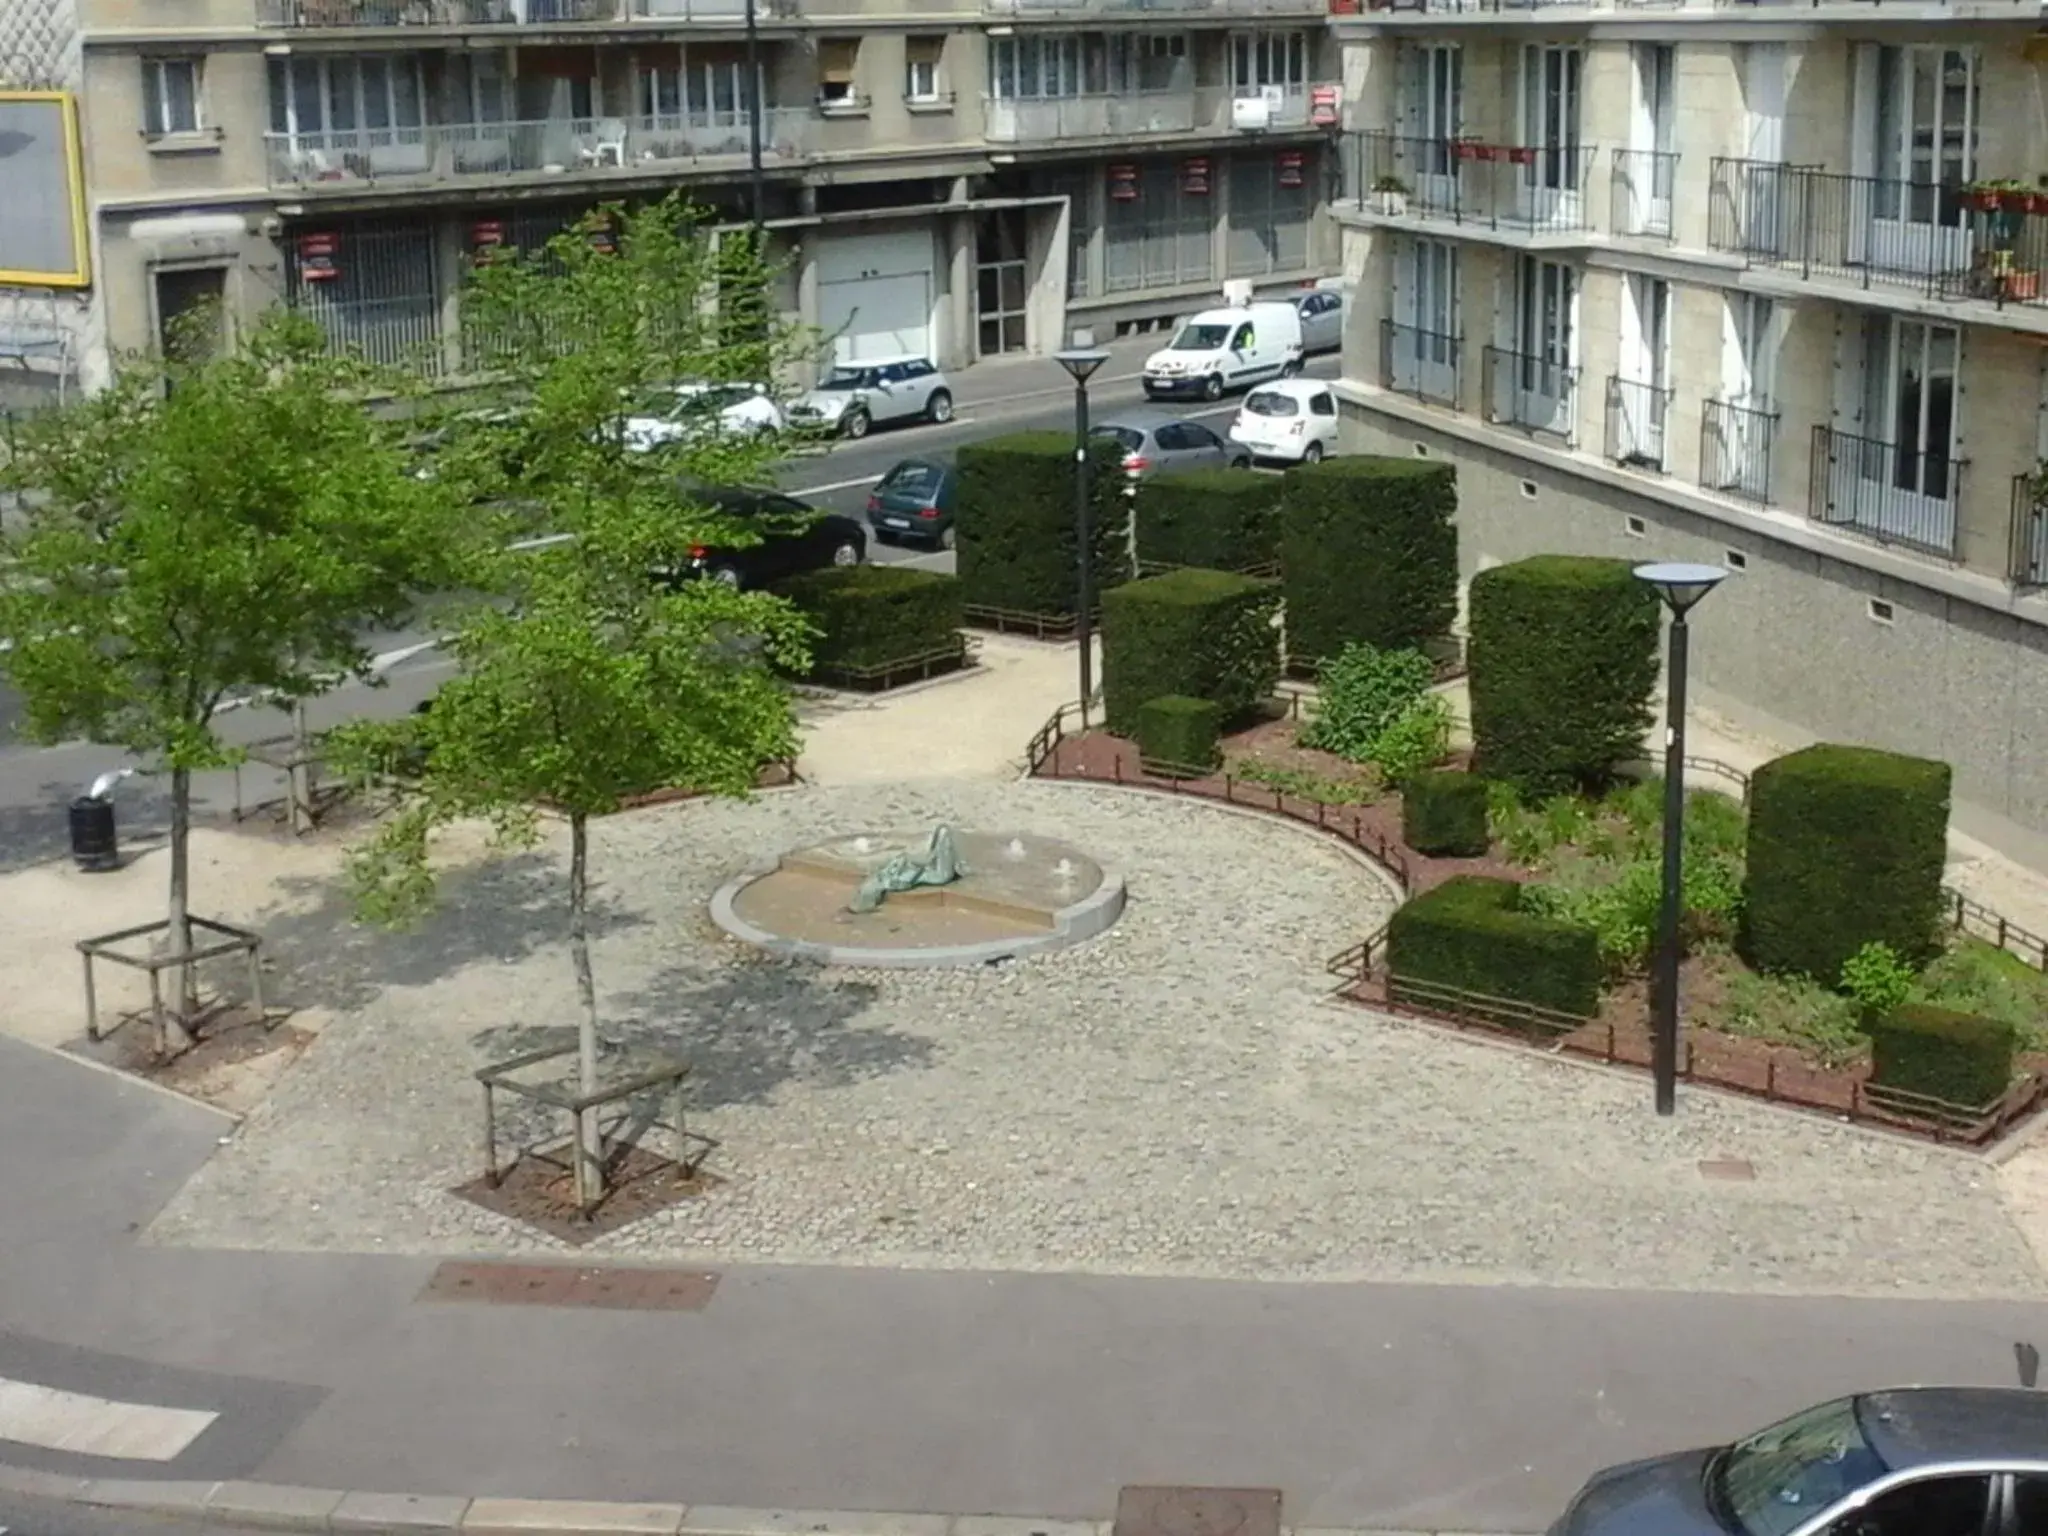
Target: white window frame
[
  {"x": 921, "y": 84},
  {"x": 1269, "y": 57},
  {"x": 1543, "y": 341},
  {"x": 705, "y": 92},
  {"x": 159, "y": 103},
  {"x": 342, "y": 77}
]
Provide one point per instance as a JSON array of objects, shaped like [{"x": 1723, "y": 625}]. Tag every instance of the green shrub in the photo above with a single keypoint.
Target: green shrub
[
  {"x": 1419, "y": 739},
  {"x": 1562, "y": 662},
  {"x": 1368, "y": 552},
  {"x": 1177, "y": 735},
  {"x": 1846, "y": 848},
  {"x": 1877, "y": 980},
  {"x": 1443, "y": 814},
  {"x": 1359, "y": 693},
  {"x": 872, "y": 616},
  {"x": 1015, "y": 537},
  {"x": 1624, "y": 905},
  {"x": 1219, "y": 519},
  {"x": 1955, "y": 1057},
  {"x": 1206, "y": 634},
  {"x": 1473, "y": 934}
]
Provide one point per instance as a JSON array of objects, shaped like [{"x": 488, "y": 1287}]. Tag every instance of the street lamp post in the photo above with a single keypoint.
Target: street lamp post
[
  {"x": 757, "y": 194},
  {"x": 1680, "y": 586},
  {"x": 1081, "y": 363}
]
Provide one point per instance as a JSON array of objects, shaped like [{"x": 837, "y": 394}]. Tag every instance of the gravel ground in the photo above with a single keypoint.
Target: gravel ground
[{"x": 1175, "y": 1097}]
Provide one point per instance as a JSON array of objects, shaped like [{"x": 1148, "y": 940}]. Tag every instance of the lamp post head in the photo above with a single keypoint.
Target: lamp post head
[
  {"x": 1081, "y": 362},
  {"x": 1680, "y": 585}
]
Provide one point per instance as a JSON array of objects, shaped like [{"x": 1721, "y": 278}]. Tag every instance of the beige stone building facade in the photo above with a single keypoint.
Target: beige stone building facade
[
  {"x": 1759, "y": 284},
  {"x": 959, "y": 177}
]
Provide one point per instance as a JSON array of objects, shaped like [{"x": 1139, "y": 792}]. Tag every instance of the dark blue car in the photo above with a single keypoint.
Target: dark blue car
[{"x": 913, "y": 504}]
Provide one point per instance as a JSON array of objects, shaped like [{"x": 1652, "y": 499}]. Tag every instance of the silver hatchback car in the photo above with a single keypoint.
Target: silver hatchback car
[
  {"x": 1155, "y": 443},
  {"x": 853, "y": 397}
]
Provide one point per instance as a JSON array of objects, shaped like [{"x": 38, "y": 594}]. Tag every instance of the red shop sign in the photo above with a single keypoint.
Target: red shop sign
[
  {"x": 1194, "y": 177},
  {"x": 1322, "y": 106},
  {"x": 487, "y": 232},
  {"x": 1291, "y": 168},
  {"x": 312, "y": 246},
  {"x": 1123, "y": 183}
]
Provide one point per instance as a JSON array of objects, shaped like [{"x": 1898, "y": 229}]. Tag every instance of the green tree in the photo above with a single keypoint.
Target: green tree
[
  {"x": 591, "y": 677},
  {"x": 206, "y": 527}
]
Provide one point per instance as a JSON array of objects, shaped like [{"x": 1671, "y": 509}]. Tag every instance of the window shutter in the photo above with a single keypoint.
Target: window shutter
[
  {"x": 837, "y": 57},
  {"x": 925, "y": 50}
]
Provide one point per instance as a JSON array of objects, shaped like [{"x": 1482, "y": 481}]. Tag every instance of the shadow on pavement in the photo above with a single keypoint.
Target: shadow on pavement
[{"x": 745, "y": 1031}]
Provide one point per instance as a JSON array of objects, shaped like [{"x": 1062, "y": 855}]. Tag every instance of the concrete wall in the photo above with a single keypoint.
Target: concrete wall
[{"x": 1790, "y": 644}]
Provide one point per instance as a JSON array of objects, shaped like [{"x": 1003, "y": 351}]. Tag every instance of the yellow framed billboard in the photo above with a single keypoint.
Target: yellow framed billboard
[{"x": 44, "y": 241}]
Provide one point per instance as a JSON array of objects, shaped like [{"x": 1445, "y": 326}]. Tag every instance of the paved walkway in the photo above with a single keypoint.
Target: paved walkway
[{"x": 1455, "y": 1407}]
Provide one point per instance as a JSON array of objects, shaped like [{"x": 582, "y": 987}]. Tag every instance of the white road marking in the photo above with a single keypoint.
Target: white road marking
[{"x": 96, "y": 1426}]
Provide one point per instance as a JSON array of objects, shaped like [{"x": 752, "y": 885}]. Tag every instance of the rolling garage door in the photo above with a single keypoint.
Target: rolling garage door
[{"x": 875, "y": 294}]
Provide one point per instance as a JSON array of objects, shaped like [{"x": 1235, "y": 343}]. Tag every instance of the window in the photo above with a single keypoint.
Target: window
[
  {"x": 1652, "y": 124},
  {"x": 373, "y": 103},
  {"x": 1536, "y": 383},
  {"x": 1909, "y": 399},
  {"x": 1550, "y": 114},
  {"x": 708, "y": 91},
  {"x": 1432, "y": 110},
  {"x": 1933, "y": 1506},
  {"x": 838, "y": 62},
  {"x": 170, "y": 97},
  {"x": 1261, "y": 59},
  {"x": 1040, "y": 66},
  {"x": 1322, "y": 403},
  {"x": 2029, "y": 1504},
  {"x": 1923, "y": 118},
  {"x": 921, "y": 58}
]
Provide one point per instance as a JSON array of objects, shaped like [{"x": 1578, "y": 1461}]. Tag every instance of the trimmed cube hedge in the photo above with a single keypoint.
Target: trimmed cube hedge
[
  {"x": 871, "y": 617},
  {"x": 1015, "y": 540},
  {"x": 1443, "y": 814},
  {"x": 1177, "y": 735},
  {"x": 1368, "y": 552},
  {"x": 1562, "y": 664},
  {"x": 1470, "y": 933},
  {"x": 1221, "y": 519},
  {"x": 1846, "y": 847},
  {"x": 1206, "y": 634},
  {"x": 1958, "y": 1058}
]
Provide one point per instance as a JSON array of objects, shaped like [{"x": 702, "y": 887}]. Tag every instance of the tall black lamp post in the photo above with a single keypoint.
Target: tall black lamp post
[
  {"x": 757, "y": 193},
  {"x": 1681, "y": 587},
  {"x": 1082, "y": 363}
]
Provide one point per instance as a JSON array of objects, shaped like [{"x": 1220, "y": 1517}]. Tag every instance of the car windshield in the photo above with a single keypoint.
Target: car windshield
[
  {"x": 1781, "y": 1477},
  {"x": 1201, "y": 338},
  {"x": 849, "y": 378},
  {"x": 1270, "y": 402},
  {"x": 1128, "y": 438},
  {"x": 914, "y": 479}
]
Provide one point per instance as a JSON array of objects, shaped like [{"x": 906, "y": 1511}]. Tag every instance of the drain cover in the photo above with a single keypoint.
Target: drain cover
[
  {"x": 1197, "y": 1512},
  {"x": 1735, "y": 1170}
]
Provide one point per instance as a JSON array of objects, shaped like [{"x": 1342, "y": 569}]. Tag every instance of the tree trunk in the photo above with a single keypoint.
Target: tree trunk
[
  {"x": 589, "y": 1165},
  {"x": 172, "y": 1034}
]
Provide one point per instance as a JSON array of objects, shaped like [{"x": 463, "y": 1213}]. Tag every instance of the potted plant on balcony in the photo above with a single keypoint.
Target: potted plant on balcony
[{"x": 1390, "y": 197}]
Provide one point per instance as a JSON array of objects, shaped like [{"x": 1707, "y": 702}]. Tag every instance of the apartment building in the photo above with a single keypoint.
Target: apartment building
[
  {"x": 968, "y": 177},
  {"x": 1757, "y": 284}
]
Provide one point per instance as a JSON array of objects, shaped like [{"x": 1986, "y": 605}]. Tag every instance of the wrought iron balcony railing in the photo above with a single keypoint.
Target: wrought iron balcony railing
[
  {"x": 1737, "y": 438},
  {"x": 1637, "y": 416},
  {"x": 1642, "y": 191},
  {"x": 1534, "y": 393},
  {"x": 1465, "y": 181},
  {"x": 1884, "y": 492},
  {"x": 1422, "y": 363}
]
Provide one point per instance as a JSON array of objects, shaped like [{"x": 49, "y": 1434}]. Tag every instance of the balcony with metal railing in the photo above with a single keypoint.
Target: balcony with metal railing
[
  {"x": 1642, "y": 189},
  {"x": 1790, "y": 10},
  {"x": 1533, "y": 393},
  {"x": 1638, "y": 414},
  {"x": 1147, "y": 10},
  {"x": 352, "y": 159},
  {"x": 1884, "y": 492},
  {"x": 1139, "y": 114},
  {"x": 1737, "y": 439},
  {"x": 1984, "y": 241},
  {"x": 1427, "y": 365},
  {"x": 378, "y": 15},
  {"x": 1529, "y": 190},
  {"x": 2028, "y": 566}
]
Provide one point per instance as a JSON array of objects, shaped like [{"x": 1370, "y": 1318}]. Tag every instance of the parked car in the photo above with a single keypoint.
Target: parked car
[
  {"x": 915, "y": 501},
  {"x": 1322, "y": 319},
  {"x": 856, "y": 396},
  {"x": 736, "y": 410},
  {"x": 794, "y": 537},
  {"x": 1293, "y": 421},
  {"x": 1915, "y": 1461},
  {"x": 1155, "y": 443},
  {"x": 1224, "y": 349}
]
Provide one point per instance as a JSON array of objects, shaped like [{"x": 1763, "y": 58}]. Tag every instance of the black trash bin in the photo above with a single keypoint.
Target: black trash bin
[{"x": 92, "y": 834}]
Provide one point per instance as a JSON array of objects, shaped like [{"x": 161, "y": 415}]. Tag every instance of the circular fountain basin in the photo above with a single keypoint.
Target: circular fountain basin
[{"x": 1018, "y": 894}]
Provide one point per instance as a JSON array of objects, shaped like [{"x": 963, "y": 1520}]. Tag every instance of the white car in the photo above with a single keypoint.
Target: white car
[
  {"x": 1292, "y": 421},
  {"x": 855, "y": 396},
  {"x": 728, "y": 410}
]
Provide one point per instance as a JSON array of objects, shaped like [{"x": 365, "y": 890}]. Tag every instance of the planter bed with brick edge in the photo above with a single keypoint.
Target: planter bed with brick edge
[{"x": 1618, "y": 1035}]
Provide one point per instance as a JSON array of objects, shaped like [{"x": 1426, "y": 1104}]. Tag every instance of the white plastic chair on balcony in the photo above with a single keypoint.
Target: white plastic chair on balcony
[{"x": 606, "y": 145}]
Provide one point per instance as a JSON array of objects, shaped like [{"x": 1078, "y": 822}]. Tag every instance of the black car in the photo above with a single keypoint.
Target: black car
[
  {"x": 794, "y": 537},
  {"x": 1915, "y": 1461},
  {"x": 914, "y": 503}
]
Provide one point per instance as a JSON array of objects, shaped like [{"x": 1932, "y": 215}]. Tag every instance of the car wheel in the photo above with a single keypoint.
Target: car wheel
[
  {"x": 1212, "y": 387},
  {"x": 1312, "y": 454},
  {"x": 1241, "y": 461},
  {"x": 846, "y": 554},
  {"x": 726, "y": 575},
  {"x": 1291, "y": 368},
  {"x": 939, "y": 408},
  {"x": 856, "y": 424}
]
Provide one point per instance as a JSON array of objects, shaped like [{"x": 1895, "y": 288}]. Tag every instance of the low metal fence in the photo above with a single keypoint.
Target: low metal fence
[
  {"x": 879, "y": 677},
  {"x": 1017, "y": 621}
]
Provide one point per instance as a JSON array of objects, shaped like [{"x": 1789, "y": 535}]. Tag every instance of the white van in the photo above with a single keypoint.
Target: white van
[{"x": 1223, "y": 349}]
